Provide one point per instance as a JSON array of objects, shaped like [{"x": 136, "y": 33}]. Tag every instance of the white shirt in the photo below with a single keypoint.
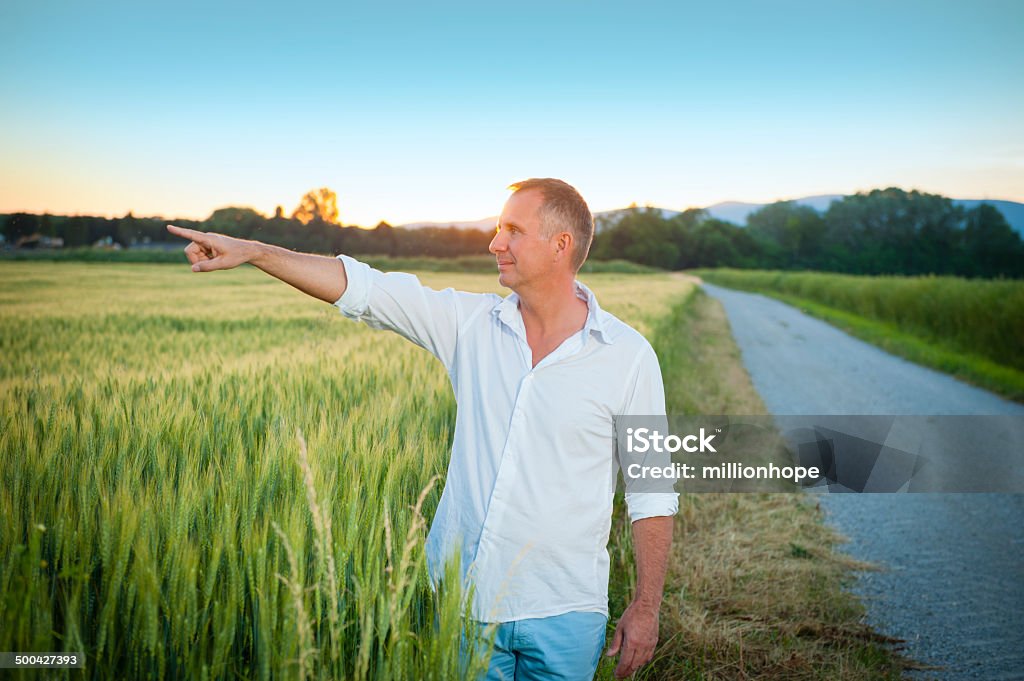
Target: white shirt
[{"x": 528, "y": 498}]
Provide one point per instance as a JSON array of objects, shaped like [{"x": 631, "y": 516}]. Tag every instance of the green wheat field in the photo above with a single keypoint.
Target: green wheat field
[{"x": 215, "y": 477}]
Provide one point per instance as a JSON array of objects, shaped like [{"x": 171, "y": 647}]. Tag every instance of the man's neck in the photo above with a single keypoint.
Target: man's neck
[{"x": 555, "y": 311}]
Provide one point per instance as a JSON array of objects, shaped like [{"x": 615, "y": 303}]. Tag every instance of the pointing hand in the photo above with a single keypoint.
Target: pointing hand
[{"x": 209, "y": 251}]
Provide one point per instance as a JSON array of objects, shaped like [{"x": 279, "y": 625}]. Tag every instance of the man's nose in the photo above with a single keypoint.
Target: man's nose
[{"x": 497, "y": 243}]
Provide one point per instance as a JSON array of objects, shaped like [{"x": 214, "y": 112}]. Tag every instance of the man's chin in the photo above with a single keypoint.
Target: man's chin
[{"x": 505, "y": 280}]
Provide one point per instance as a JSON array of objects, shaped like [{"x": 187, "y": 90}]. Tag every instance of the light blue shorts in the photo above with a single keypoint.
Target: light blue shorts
[{"x": 560, "y": 647}]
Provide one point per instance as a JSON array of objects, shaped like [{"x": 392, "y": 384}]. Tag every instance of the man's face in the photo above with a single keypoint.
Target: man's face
[{"x": 523, "y": 254}]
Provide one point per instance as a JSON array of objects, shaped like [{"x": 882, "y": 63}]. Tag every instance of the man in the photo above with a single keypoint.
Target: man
[{"x": 538, "y": 377}]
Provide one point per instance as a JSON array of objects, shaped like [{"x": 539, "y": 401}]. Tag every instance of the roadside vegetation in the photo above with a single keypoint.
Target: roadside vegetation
[
  {"x": 969, "y": 328},
  {"x": 756, "y": 584},
  {"x": 217, "y": 477}
]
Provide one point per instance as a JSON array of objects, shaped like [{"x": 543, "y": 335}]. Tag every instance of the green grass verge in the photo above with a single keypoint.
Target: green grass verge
[
  {"x": 95, "y": 255},
  {"x": 983, "y": 317},
  {"x": 928, "y": 351},
  {"x": 971, "y": 368}
]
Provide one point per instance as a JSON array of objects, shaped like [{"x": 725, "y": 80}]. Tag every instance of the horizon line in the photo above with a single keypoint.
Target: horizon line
[{"x": 112, "y": 215}]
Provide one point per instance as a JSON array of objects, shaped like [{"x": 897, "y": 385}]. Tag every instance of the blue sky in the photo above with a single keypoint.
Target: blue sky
[{"x": 426, "y": 111}]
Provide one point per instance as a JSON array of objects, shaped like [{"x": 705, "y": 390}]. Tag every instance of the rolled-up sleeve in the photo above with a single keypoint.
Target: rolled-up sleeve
[
  {"x": 354, "y": 300},
  {"x": 398, "y": 302},
  {"x": 646, "y": 397}
]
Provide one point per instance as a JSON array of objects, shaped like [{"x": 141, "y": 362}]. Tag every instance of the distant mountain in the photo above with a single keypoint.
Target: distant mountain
[
  {"x": 738, "y": 211},
  {"x": 608, "y": 218}
]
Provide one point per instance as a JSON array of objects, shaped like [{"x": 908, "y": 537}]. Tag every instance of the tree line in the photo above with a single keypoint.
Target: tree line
[
  {"x": 887, "y": 231},
  {"x": 302, "y": 232}
]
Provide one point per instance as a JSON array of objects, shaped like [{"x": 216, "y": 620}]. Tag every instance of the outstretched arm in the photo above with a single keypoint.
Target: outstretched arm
[
  {"x": 316, "y": 275},
  {"x": 636, "y": 634}
]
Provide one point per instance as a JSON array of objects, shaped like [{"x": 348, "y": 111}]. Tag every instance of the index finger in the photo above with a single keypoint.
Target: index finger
[
  {"x": 627, "y": 661},
  {"x": 187, "y": 233}
]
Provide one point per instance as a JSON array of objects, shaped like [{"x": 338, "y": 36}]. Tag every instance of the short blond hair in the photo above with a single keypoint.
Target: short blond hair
[{"x": 563, "y": 209}]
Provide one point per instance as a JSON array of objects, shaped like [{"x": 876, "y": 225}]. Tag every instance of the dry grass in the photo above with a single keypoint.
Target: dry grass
[{"x": 755, "y": 584}]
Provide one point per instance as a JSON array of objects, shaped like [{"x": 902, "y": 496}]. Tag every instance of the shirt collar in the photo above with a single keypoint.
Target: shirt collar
[{"x": 507, "y": 310}]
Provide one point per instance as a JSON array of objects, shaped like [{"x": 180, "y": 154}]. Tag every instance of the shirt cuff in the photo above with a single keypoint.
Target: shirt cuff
[
  {"x": 651, "y": 504},
  {"x": 356, "y": 298}
]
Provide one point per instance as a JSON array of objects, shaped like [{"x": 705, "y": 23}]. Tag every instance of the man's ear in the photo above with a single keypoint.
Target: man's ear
[{"x": 563, "y": 245}]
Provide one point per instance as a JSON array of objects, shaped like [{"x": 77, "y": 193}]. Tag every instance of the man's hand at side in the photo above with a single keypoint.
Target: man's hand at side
[
  {"x": 320, "y": 276},
  {"x": 636, "y": 634}
]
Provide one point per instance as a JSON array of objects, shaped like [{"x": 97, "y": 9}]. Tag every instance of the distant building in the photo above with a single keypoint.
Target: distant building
[
  {"x": 39, "y": 241},
  {"x": 108, "y": 243}
]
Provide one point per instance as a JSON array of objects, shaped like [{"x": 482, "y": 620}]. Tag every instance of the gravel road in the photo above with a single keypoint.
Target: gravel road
[{"x": 952, "y": 583}]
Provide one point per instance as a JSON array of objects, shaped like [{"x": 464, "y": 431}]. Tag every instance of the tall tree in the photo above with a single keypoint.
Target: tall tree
[
  {"x": 890, "y": 231},
  {"x": 992, "y": 247},
  {"x": 793, "y": 231},
  {"x": 319, "y": 204},
  {"x": 235, "y": 221}
]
